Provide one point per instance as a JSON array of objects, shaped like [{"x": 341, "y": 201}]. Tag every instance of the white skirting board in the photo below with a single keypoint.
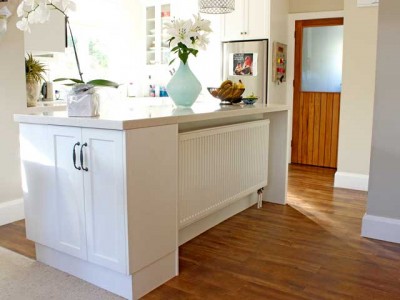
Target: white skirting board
[
  {"x": 11, "y": 211},
  {"x": 131, "y": 287},
  {"x": 351, "y": 181},
  {"x": 381, "y": 228}
]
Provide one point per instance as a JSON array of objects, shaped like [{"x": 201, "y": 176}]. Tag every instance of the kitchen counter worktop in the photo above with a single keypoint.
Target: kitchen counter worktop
[{"x": 130, "y": 114}]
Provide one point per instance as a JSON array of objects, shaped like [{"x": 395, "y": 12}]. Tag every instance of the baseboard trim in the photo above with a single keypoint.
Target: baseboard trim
[
  {"x": 11, "y": 211},
  {"x": 380, "y": 228},
  {"x": 352, "y": 181}
]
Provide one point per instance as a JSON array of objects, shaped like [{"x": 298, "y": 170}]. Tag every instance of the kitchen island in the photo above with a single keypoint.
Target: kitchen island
[{"x": 109, "y": 199}]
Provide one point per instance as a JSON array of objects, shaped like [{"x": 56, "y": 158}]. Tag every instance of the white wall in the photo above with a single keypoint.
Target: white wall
[
  {"x": 303, "y": 6},
  {"x": 382, "y": 220},
  {"x": 12, "y": 100},
  {"x": 278, "y": 33},
  {"x": 356, "y": 108}
]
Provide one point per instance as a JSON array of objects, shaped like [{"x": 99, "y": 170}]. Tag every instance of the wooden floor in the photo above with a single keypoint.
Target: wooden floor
[{"x": 308, "y": 249}]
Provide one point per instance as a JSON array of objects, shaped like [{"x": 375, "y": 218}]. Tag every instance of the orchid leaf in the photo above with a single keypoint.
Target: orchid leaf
[
  {"x": 68, "y": 79},
  {"x": 103, "y": 82}
]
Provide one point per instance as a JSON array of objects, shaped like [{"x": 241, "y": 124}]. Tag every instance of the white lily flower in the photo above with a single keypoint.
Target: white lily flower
[
  {"x": 180, "y": 31},
  {"x": 23, "y": 25},
  {"x": 187, "y": 36},
  {"x": 201, "y": 24},
  {"x": 202, "y": 41}
]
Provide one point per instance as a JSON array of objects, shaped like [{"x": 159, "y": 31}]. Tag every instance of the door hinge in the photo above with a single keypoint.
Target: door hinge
[
  {"x": 294, "y": 34},
  {"x": 291, "y": 143},
  {"x": 293, "y": 82}
]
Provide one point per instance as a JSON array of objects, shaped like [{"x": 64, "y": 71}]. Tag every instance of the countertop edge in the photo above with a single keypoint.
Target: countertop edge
[{"x": 95, "y": 122}]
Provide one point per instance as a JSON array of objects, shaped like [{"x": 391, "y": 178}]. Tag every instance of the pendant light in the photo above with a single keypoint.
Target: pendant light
[{"x": 216, "y": 6}]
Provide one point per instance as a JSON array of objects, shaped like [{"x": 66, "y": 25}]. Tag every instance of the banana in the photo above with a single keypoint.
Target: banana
[
  {"x": 226, "y": 82},
  {"x": 237, "y": 93},
  {"x": 240, "y": 84},
  {"x": 221, "y": 91},
  {"x": 227, "y": 93}
]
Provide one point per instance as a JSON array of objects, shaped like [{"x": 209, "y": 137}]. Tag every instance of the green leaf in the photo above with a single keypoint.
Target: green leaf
[
  {"x": 70, "y": 79},
  {"x": 103, "y": 82},
  {"x": 171, "y": 61}
]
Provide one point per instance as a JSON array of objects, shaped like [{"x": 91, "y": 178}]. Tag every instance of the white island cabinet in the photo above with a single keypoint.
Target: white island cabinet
[
  {"x": 110, "y": 199},
  {"x": 85, "y": 215}
]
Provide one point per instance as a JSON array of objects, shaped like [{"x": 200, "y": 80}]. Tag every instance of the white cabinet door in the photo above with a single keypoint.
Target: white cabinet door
[
  {"x": 258, "y": 21},
  {"x": 53, "y": 188},
  {"x": 68, "y": 208},
  {"x": 105, "y": 198},
  {"x": 234, "y": 22},
  {"x": 249, "y": 21},
  {"x": 158, "y": 13}
]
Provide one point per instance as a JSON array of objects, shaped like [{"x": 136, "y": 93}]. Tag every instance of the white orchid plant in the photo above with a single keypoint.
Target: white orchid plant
[
  {"x": 38, "y": 11},
  {"x": 187, "y": 36}
]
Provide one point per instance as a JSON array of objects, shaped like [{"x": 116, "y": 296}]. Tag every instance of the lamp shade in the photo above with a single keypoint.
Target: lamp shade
[{"x": 216, "y": 6}]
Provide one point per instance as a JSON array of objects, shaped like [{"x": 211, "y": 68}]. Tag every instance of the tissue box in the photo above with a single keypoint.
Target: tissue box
[{"x": 83, "y": 103}]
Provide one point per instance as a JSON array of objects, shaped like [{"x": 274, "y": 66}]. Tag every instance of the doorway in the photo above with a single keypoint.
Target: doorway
[{"x": 316, "y": 91}]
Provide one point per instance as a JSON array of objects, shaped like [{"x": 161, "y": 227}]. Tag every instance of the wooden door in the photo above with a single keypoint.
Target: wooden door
[{"x": 315, "y": 113}]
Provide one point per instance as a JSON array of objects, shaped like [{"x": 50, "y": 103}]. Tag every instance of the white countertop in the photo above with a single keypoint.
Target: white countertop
[{"x": 148, "y": 112}]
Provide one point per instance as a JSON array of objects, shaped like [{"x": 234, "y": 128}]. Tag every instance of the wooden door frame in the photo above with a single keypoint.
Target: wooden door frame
[{"x": 290, "y": 63}]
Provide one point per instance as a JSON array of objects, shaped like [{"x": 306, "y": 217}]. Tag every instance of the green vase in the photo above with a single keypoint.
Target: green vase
[{"x": 184, "y": 87}]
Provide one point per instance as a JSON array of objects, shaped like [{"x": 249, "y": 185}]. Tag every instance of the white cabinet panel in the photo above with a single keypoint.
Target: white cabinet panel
[
  {"x": 68, "y": 191},
  {"x": 249, "y": 21},
  {"x": 152, "y": 181},
  {"x": 105, "y": 198},
  {"x": 36, "y": 165}
]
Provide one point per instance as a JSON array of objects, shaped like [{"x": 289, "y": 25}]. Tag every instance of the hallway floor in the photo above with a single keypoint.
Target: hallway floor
[{"x": 308, "y": 249}]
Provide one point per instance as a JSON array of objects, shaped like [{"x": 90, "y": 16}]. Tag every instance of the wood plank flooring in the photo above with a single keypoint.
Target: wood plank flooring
[
  {"x": 12, "y": 236},
  {"x": 308, "y": 249}
]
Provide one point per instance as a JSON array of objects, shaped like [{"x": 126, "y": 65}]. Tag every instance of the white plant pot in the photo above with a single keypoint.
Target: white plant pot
[
  {"x": 32, "y": 92},
  {"x": 84, "y": 104}
]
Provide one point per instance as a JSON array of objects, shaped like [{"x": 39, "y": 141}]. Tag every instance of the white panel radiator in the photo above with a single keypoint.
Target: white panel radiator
[{"x": 220, "y": 165}]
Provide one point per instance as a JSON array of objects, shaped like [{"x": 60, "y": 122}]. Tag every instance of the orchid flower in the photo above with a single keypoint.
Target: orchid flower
[
  {"x": 38, "y": 11},
  {"x": 187, "y": 36}
]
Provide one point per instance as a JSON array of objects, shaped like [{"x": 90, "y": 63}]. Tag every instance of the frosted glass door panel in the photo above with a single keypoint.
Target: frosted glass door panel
[{"x": 322, "y": 59}]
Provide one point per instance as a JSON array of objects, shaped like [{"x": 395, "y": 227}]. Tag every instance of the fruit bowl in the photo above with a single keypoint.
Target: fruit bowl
[{"x": 231, "y": 97}]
